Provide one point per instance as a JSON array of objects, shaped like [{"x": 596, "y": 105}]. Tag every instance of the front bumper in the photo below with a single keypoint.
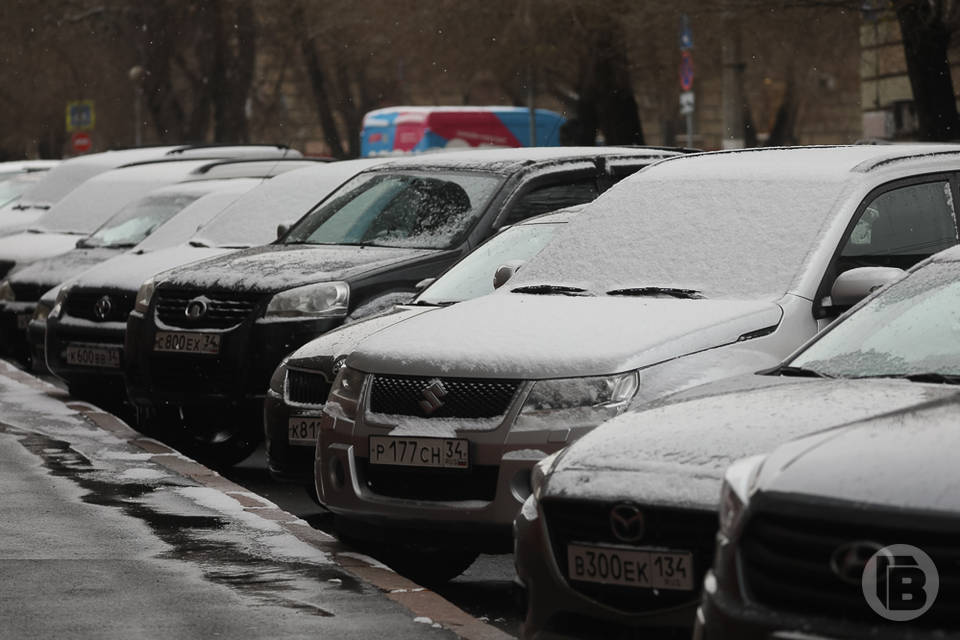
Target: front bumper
[
  {"x": 287, "y": 462},
  {"x": 555, "y": 610},
  {"x": 63, "y": 332},
  {"x": 14, "y": 320}
]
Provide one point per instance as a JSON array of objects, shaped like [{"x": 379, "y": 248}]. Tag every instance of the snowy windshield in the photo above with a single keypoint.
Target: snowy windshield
[
  {"x": 13, "y": 186},
  {"x": 720, "y": 237},
  {"x": 473, "y": 276},
  {"x": 137, "y": 220},
  {"x": 913, "y": 327},
  {"x": 399, "y": 209}
]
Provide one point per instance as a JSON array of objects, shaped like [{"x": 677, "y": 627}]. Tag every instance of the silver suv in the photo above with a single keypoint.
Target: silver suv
[{"x": 696, "y": 268}]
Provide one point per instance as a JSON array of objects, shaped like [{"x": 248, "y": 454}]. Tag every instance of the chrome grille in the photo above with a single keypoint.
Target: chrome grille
[
  {"x": 224, "y": 309},
  {"x": 81, "y": 303},
  {"x": 464, "y": 397},
  {"x": 588, "y": 522},
  {"x": 307, "y": 387}
]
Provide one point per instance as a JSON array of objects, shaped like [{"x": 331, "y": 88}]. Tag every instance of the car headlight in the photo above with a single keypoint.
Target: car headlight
[
  {"x": 6, "y": 292},
  {"x": 738, "y": 484},
  {"x": 344, "y": 398},
  {"x": 145, "y": 295},
  {"x": 58, "y": 304},
  {"x": 279, "y": 377},
  {"x": 42, "y": 311},
  {"x": 576, "y": 402},
  {"x": 323, "y": 300}
]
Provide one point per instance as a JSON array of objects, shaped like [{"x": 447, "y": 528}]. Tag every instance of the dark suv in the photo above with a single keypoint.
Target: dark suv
[{"x": 204, "y": 339}]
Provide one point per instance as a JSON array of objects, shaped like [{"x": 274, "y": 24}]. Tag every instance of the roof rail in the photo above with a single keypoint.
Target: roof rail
[
  {"x": 214, "y": 145},
  {"x": 869, "y": 165},
  {"x": 232, "y": 161}
]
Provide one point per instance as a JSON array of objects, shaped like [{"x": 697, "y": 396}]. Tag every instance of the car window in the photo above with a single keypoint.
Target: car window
[
  {"x": 550, "y": 198},
  {"x": 913, "y": 327},
  {"x": 137, "y": 220},
  {"x": 408, "y": 209},
  {"x": 902, "y": 226}
]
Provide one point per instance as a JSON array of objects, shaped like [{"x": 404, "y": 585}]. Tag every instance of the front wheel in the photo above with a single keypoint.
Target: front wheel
[{"x": 218, "y": 438}]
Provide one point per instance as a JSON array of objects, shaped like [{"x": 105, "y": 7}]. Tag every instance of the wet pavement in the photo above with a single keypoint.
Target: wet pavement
[{"x": 104, "y": 534}]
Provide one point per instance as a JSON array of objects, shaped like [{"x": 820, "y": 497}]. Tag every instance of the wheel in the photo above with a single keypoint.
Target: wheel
[
  {"x": 218, "y": 438},
  {"x": 429, "y": 567}
]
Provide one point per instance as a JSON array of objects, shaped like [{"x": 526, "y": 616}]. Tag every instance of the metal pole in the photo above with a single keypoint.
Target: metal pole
[
  {"x": 690, "y": 130},
  {"x": 137, "y": 118},
  {"x": 531, "y": 90}
]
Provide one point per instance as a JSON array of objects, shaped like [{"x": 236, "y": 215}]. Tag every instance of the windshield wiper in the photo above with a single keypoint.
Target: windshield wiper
[
  {"x": 425, "y": 303},
  {"x": 673, "y": 292},
  {"x": 547, "y": 289},
  {"x": 926, "y": 376},
  {"x": 197, "y": 243},
  {"x": 798, "y": 372},
  {"x": 120, "y": 245}
]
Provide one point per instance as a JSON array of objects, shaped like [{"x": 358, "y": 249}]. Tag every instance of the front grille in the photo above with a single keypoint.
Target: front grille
[
  {"x": 588, "y": 522},
  {"x": 786, "y": 563},
  {"x": 192, "y": 374},
  {"x": 463, "y": 397},
  {"x": 223, "y": 309},
  {"x": 307, "y": 387},
  {"x": 28, "y": 291},
  {"x": 88, "y": 304},
  {"x": 476, "y": 483}
]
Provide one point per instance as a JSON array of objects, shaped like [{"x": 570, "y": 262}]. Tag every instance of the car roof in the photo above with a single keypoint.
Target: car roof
[
  {"x": 813, "y": 162},
  {"x": 515, "y": 158}
]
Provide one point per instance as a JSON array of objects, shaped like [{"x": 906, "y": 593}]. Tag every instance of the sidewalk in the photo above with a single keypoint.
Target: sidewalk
[{"x": 107, "y": 534}]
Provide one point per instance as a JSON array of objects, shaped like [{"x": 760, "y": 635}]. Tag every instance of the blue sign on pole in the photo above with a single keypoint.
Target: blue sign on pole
[
  {"x": 80, "y": 115},
  {"x": 686, "y": 34},
  {"x": 686, "y": 71}
]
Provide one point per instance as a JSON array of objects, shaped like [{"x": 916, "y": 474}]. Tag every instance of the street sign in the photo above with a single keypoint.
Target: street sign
[
  {"x": 80, "y": 116},
  {"x": 686, "y": 70},
  {"x": 81, "y": 142},
  {"x": 686, "y": 34},
  {"x": 686, "y": 102}
]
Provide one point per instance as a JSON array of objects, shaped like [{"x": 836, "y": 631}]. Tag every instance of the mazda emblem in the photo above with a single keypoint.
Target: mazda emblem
[
  {"x": 848, "y": 561},
  {"x": 102, "y": 308},
  {"x": 196, "y": 308},
  {"x": 626, "y": 522},
  {"x": 431, "y": 396}
]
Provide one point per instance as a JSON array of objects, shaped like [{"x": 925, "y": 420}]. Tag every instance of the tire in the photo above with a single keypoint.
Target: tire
[
  {"x": 429, "y": 567},
  {"x": 218, "y": 438}
]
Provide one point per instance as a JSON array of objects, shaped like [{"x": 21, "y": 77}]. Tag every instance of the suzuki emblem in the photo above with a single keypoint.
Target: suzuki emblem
[
  {"x": 432, "y": 394},
  {"x": 626, "y": 522}
]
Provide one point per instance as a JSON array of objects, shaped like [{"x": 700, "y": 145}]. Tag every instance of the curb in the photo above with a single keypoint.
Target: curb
[{"x": 420, "y": 601}]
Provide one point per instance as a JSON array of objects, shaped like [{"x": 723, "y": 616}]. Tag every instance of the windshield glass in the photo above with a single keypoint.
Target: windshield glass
[
  {"x": 409, "y": 209},
  {"x": 473, "y": 276},
  {"x": 12, "y": 187},
  {"x": 728, "y": 236},
  {"x": 913, "y": 327},
  {"x": 138, "y": 219}
]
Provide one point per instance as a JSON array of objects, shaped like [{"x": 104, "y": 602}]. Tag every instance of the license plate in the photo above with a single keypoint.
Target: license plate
[
  {"x": 93, "y": 356},
  {"x": 643, "y": 568},
  {"x": 187, "y": 342},
  {"x": 23, "y": 321},
  {"x": 303, "y": 431},
  {"x": 433, "y": 453}
]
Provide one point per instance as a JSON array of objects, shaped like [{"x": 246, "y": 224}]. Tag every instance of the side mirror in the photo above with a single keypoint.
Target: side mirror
[
  {"x": 504, "y": 272},
  {"x": 423, "y": 284},
  {"x": 854, "y": 285},
  {"x": 282, "y": 230}
]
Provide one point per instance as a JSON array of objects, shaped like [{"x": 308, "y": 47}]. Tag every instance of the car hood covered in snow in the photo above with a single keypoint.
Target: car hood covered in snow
[
  {"x": 513, "y": 335},
  {"x": 50, "y": 272},
  {"x": 676, "y": 452},
  {"x": 128, "y": 270},
  {"x": 280, "y": 267},
  {"x": 902, "y": 458}
]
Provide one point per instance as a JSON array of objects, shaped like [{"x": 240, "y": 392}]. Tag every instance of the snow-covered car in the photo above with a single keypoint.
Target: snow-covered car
[
  {"x": 23, "y": 287},
  {"x": 16, "y": 178},
  {"x": 85, "y": 207},
  {"x": 300, "y": 384},
  {"x": 799, "y": 525},
  {"x": 362, "y": 250},
  {"x": 216, "y": 224},
  {"x": 69, "y": 174},
  {"x": 697, "y": 268},
  {"x": 621, "y": 527}
]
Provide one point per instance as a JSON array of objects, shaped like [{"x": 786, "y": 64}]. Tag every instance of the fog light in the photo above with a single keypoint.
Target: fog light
[
  {"x": 520, "y": 485},
  {"x": 337, "y": 474}
]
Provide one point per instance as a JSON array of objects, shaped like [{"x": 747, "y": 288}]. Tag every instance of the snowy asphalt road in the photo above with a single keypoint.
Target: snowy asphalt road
[{"x": 106, "y": 535}]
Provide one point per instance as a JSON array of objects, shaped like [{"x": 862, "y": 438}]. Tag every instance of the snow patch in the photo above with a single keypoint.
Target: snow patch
[{"x": 142, "y": 474}]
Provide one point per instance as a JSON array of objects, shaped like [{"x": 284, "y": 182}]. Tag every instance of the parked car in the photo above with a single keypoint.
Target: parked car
[
  {"x": 21, "y": 290},
  {"x": 373, "y": 239},
  {"x": 16, "y": 177},
  {"x": 621, "y": 526},
  {"x": 798, "y": 526},
  {"x": 68, "y": 319},
  {"x": 300, "y": 385},
  {"x": 70, "y": 174},
  {"x": 697, "y": 268},
  {"x": 97, "y": 198}
]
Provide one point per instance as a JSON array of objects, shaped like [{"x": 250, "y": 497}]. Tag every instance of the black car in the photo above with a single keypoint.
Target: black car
[{"x": 204, "y": 340}]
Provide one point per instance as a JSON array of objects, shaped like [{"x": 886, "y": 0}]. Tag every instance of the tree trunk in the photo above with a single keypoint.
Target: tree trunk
[
  {"x": 925, "y": 42},
  {"x": 319, "y": 83},
  {"x": 232, "y": 76}
]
